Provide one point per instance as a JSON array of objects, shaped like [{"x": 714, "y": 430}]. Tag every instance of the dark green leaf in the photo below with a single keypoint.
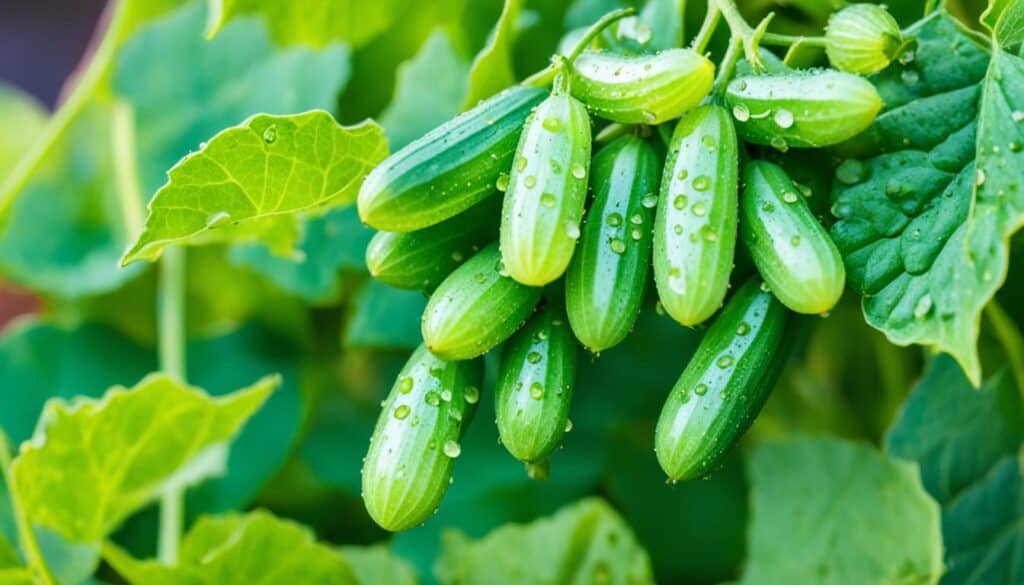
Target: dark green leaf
[
  {"x": 385, "y": 318},
  {"x": 312, "y": 22}
]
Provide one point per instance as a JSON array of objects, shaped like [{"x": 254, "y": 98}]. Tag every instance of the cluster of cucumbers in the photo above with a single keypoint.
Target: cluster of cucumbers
[{"x": 521, "y": 237}]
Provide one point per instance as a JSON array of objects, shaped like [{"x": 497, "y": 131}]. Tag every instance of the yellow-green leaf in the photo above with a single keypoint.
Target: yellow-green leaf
[{"x": 492, "y": 69}]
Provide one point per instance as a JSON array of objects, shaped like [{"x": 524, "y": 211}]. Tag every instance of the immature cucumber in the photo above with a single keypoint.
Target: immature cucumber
[
  {"x": 421, "y": 259},
  {"x": 449, "y": 169},
  {"x": 540, "y": 218},
  {"x": 538, "y": 370},
  {"x": 604, "y": 286},
  {"x": 802, "y": 109},
  {"x": 725, "y": 384},
  {"x": 695, "y": 230},
  {"x": 409, "y": 465},
  {"x": 641, "y": 89},
  {"x": 793, "y": 253},
  {"x": 477, "y": 307}
]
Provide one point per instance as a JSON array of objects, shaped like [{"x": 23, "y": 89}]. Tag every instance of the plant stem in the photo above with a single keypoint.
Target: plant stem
[
  {"x": 778, "y": 40},
  {"x": 930, "y": 6},
  {"x": 727, "y": 67},
  {"x": 741, "y": 29},
  {"x": 26, "y": 535},
  {"x": 171, "y": 325},
  {"x": 707, "y": 28},
  {"x": 1011, "y": 340},
  {"x": 596, "y": 29}
]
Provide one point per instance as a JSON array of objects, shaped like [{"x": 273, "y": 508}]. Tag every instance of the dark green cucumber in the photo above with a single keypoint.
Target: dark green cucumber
[
  {"x": 695, "y": 231},
  {"x": 540, "y": 218},
  {"x": 451, "y": 168},
  {"x": 420, "y": 260},
  {"x": 538, "y": 370},
  {"x": 477, "y": 307},
  {"x": 802, "y": 109},
  {"x": 604, "y": 287},
  {"x": 409, "y": 465},
  {"x": 725, "y": 384},
  {"x": 792, "y": 251},
  {"x": 641, "y": 89}
]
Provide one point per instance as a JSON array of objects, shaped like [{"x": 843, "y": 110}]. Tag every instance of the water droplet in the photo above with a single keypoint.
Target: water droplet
[
  {"x": 1017, "y": 116},
  {"x": 678, "y": 229},
  {"x": 521, "y": 163},
  {"x": 779, "y": 143},
  {"x": 767, "y": 207},
  {"x": 613, "y": 219},
  {"x": 790, "y": 197},
  {"x": 909, "y": 76},
  {"x": 536, "y": 391},
  {"x": 530, "y": 181},
  {"x": 568, "y": 425},
  {"x": 457, "y": 256},
  {"x": 446, "y": 395},
  {"x": 480, "y": 277},
  {"x": 618, "y": 246},
  {"x": 548, "y": 200},
  {"x": 579, "y": 171},
  {"x": 683, "y": 174},
  {"x": 636, "y": 219},
  {"x": 572, "y": 229},
  {"x": 402, "y": 411},
  {"x": 725, "y": 361},
  {"x": 709, "y": 141},
  {"x": 741, "y": 112},
  {"x": 784, "y": 118},
  {"x": 218, "y": 219},
  {"x": 649, "y": 116},
  {"x": 636, "y": 234},
  {"x": 795, "y": 240},
  {"x": 851, "y": 171},
  {"x": 502, "y": 183},
  {"x": 556, "y": 167},
  {"x": 533, "y": 357},
  {"x": 923, "y": 306},
  {"x": 765, "y": 287},
  {"x": 452, "y": 449},
  {"x": 472, "y": 394},
  {"x": 649, "y": 200},
  {"x": 700, "y": 390},
  {"x": 552, "y": 124},
  {"x": 270, "y": 134},
  {"x": 699, "y": 209},
  {"x": 907, "y": 57},
  {"x": 979, "y": 178},
  {"x": 679, "y": 202},
  {"x": 702, "y": 182},
  {"x": 541, "y": 335},
  {"x": 742, "y": 329},
  {"x": 405, "y": 385},
  {"x": 432, "y": 398}
]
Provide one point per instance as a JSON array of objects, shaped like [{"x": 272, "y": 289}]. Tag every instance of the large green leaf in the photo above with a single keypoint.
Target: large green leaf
[
  {"x": 925, "y": 213},
  {"x": 377, "y": 564},
  {"x": 313, "y": 22},
  {"x": 581, "y": 544},
  {"x": 830, "y": 511},
  {"x": 492, "y": 69},
  {"x": 1005, "y": 18},
  {"x": 385, "y": 318},
  {"x": 91, "y": 463},
  {"x": 428, "y": 91},
  {"x": 250, "y": 549}
]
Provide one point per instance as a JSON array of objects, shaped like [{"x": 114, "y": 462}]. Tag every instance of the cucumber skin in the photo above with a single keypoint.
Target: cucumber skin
[
  {"x": 537, "y": 239},
  {"x": 476, "y": 308},
  {"x": 532, "y": 428},
  {"x": 692, "y": 268},
  {"x": 827, "y": 107},
  {"x": 406, "y": 471},
  {"x": 641, "y": 89},
  {"x": 604, "y": 290},
  {"x": 451, "y": 168},
  {"x": 695, "y": 431},
  {"x": 421, "y": 259},
  {"x": 809, "y": 276}
]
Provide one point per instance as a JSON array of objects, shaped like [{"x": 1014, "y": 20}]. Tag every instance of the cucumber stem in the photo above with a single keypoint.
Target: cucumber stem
[
  {"x": 741, "y": 28},
  {"x": 171, "y": 324},
  {"x": 1011, "y": 340},
  {"x": 726, "y": 68},
  {"x": 26, "y": 535},
  {"x": 596, "y": 29},
  {"x": 780, "y": 40},
  {"x": 538, "y": 469},
  {"x": 707, "y": 29}
]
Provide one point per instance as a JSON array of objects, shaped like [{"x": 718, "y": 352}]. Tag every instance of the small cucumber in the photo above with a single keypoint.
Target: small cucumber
[
  {"x": 604, "y": 287},
  {"x": 695, "y": 230},
  {"x": 802, "y": 109},
  {"x": 409, "y": 465},
  {"x": 792, "y": 251},
  {"x": 862, "y": 38},
  {"x": 538, "y": 370},
  {"x": 449, "y": 169},
  {"x": 420, "y": 260},
  {"x": 540, "y": 219},
  {"x": 477, "y": 307},
  {"x": 641, "y": 89},
  {"x": 725, "y": 384}
]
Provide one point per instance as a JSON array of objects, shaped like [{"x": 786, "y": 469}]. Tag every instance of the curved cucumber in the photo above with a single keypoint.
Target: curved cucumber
[
  {"x": 477, "y": 307},
  {"x": 725, "y": 384},
  {"x": 449, "y": 169},
  {"x": 802, "y": 109},
  {"x": 540, "y": 218},
  {"x": 420, "y": 260},
  {"x": 604, "y": 287},
  {"x": 641, "y": 89},
  {"x": 695, "y": 230},
  {"x": 409, "y": 465},
  {"x": 792, "y": 251},
  {"x": 538, "y": 370}
]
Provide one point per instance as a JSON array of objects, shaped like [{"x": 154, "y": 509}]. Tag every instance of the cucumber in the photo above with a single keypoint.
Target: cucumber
[
  {"x": 802, "y": 109},
  {"x": 538, "y": 370},
  {"x": 725, "y": 384},
  {"x": 540, "y": 218},
  {"x": 477, "y": 307},
  {"x": 412, "y": 451},
  {"x": 641, "y": 89},
  {"x": 604, "y": 286},
  {"x": 695, "y": 230},
  {"x": 451, "y": 168},
  {"x": 862, "y": 38},
  {"x": 792, "y": 251},
  {"x": 420, "y": 260}
]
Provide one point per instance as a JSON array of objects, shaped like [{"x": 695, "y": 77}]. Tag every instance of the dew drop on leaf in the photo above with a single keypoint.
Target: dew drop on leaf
[
  {"x": 270, "y": 134},
  {"x": 783, "y": 118},
  {"x": 402, "y": 411},
  {"x": 452, "y": 449},
  {"x": 613, "y": 219},
  {"x": 405, "y": 385}
]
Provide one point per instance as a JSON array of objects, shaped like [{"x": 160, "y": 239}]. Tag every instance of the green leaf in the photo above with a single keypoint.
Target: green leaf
[
  {"x": 955, "y": 432},
  {"x": 925, "y": 215},
  {"x": 584, "y": 543},
  {"x": 23, "y": 119},
  {"x": 312, "y": 22},
  {"x": 92, "y": 463},
  {"x": 240, "y": 549},
  {"x": 1005, "y": 18},
  {"x": 250, "y": 181},
  {"x": 378, "y": 565},
  {"x": 826, "y": 510},
  {"x": 327, "y": 245},
  {"x": 492, "y": 69},
  {"x": 385, "y": 318},
  {"x": 428, "y": 91}
]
